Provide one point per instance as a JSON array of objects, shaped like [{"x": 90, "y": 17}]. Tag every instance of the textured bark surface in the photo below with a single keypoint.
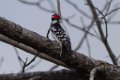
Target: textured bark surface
[
  {"x": 55, "y": 75},
  {"x": 77, "y": 61},
  {"x": 22, "y": 35}
]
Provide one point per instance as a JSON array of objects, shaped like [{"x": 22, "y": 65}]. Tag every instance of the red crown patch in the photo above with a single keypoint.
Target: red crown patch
[{"x": 55, "y": 16}]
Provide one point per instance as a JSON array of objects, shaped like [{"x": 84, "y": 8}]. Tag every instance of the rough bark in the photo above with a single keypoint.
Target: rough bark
[
  {"x": 77, "y": 61},
  {"x": 55, "y": 75}
]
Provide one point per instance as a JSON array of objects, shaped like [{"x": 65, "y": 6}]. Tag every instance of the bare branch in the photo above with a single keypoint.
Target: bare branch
[
  {"x": 77, "y": 27},
  {"x": 20, "y": 37},
  {"x": 58, "y": 8},
  {"x": 109, "y": 5},
  {"x": 26, "y": 63},
  {"x": 38, "y": 4},
  {"x": 111, "y": 54},
  {"x": 87, "y": 41},
  {"x": 19, "y": 58},
  {"x": 1, "y": 61},
  {"x": 114, "y": 10},
  {"x": 85, "y": 35},
  {"x": 61, "y": 75},
  {"x": 54, "y": 67},
  {"x": 105, "y": 22},
  {"x": 34, "y": 65},
  {"x": 29, "y": 49},
  {"x": 78, "y": 9},
  {"x": 27, "y": 2}
]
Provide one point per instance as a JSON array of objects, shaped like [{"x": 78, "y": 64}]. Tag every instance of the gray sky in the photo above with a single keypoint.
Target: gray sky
[{"x": 38, "y": 21}]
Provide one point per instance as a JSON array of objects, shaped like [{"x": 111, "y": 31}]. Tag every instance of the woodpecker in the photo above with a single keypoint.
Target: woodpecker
[{"x": 60, "y": 34}]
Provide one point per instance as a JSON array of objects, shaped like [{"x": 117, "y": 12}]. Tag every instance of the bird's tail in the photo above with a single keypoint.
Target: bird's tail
[{"x": 66, "y": 51}]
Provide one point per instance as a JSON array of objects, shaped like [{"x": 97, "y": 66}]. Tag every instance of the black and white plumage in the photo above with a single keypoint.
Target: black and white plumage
[{"x": 59, "y": 33}]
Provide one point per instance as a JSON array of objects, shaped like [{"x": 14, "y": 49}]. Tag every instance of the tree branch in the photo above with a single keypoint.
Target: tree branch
[
  {"x": 98, "y": 23},
  {"x": 55, "y": 75},
  {"x": 33, "y": 43}
]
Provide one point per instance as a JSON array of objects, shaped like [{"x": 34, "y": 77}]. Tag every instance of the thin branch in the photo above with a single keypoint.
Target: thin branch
[
  {"x": 26, "y": 63},
  {"x": 89, "y": 47},
  {"x": 54, "y": 67},
  {"x": 45, "y": 9},
  {"x": 59, "y": 8},
  {"x": 77, "y": 27},
  {"x": 30, "y": 50},
  {"x": 19, "y": 58},
  {"x": 95, "y": 31},
  {"x": 34, "y": 65},
  {"x": 111, "y": 54},
  {"x": 109, "y": 5},
  {"x": 78, "y": 9},
  {"x": 105, "y": 22},
  {"x": 20, "y": 37},
  {"x": 1, "y": 61},
  {"x": 106, "y": 6},
  {"x": 38, "y": 4},
  {"x": 27, "y": 2},
  {"x": 43, "y": 75},
  {"x": 87, "y": 41},
  {"x": 113, "y": 14},
  {"x": 85, "y": 35},
  {"x": 114, "y": 10},
  {"x": 115, "y": 22}
]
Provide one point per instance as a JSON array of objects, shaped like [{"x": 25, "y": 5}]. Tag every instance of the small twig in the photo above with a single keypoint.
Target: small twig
[
  {"x": 88, "y": 45},
  {"x": 78, "y": 9},
  {"x": 43, "y": 8},
  {"x": 109, "y": 5},
  {"x": 1, "y": 61},
  {"x": 33, "y": 59},
  {"x": 105, "y": 22},
  {"x": 77, "y": 27},
  {"x": 115, "y": 22},
  {"x": 24, "y": 66},
  {"x": 54, "y": 67},
  {"x": 33, "y": 66},
  {"x": 85, "y": 35},
  {"x": 30, "y": 50},
  {"x": 103, "y": 17},
  {"x": 19, "y": 58},
  {"x": 58, "y": 8},
  {"x": 38, "y": 4},
  {"x": 26, "y": 63},
  {"x": 95, "y": 31},
  {"x": 109, "y": 13},
  {"x": 113, "y": 14},
  {"x": 87, "y": 41},
  {"x": 27, "y": 2},
  {"x": 117, "y": 58}
]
